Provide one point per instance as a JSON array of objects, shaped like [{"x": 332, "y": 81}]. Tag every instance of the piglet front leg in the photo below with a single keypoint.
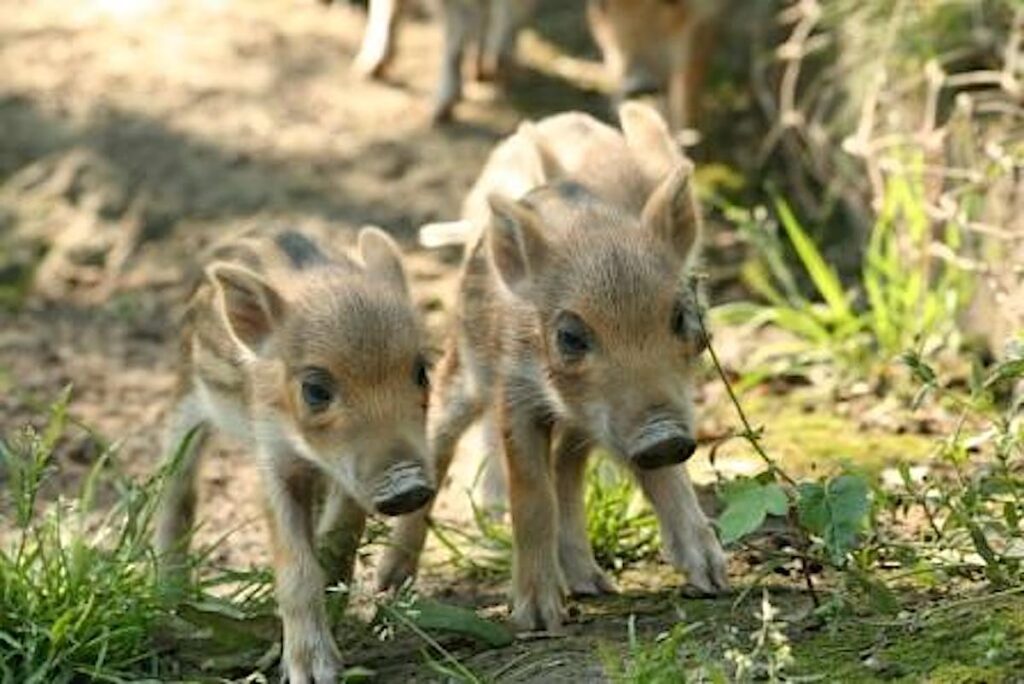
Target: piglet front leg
[
  {"x": 689, "y": 540},
  {"x": 378, "y": 46},
  {"x": 537, "y": 584},
  {"x": 310, "y": 655}
]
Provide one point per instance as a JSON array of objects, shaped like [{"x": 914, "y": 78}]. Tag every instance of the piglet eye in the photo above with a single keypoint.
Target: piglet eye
[
  {"x": 571, "y": 343},
  {"x": 317, "y": 390},
  {"x": 572, "y": 336},
  {"x": 687, "y": 327},
  {"x": 421, "y": 374},
  {"x": 679, "y": 327}
]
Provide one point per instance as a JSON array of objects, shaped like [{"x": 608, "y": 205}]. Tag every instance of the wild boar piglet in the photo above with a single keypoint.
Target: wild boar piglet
[
  {"x": 316, "y": 363},
  {"x": 486, "y": 27},
  {"x": 577, "y": 325},
  {"x": 656, "y": 47}
]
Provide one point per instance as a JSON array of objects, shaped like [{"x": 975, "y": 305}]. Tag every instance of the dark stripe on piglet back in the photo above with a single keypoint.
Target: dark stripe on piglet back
[{"x": 300, "y": 250}]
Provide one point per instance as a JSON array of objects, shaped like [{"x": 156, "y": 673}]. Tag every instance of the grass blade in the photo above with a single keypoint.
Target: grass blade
[{"x": 824, "y": 276}]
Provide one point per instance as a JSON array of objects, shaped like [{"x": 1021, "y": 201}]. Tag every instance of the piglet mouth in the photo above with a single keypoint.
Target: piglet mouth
[
  {"x": 402, "y": 490},
  {"x": 661, "y": 443}
]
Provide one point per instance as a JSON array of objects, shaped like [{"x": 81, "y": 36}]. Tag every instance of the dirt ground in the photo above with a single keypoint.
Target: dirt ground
[{"x": 133, "y": 133}]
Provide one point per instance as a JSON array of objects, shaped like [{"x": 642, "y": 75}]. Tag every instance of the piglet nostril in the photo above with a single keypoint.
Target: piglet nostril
[
  {"x": 664, "y": 452},
  {"x": 403, "y": 489},
  {"x": 406, "y": 501}
]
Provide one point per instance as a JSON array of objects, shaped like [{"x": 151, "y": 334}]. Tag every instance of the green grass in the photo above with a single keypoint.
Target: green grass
[
  {"x": 80, "y": 599},
  {"x": 622, "y": 528},
  {"x": 77, "y": 601},
  {"x": 620, "y": 524}
]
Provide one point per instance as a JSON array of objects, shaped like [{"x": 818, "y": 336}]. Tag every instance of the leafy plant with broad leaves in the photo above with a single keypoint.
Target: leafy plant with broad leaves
[
  {"x": 834, "y": 511},
  {"x": 975, "y": 518},
  {"x": 748, "y": 501},
  {"x": 831, "y": 513},
  {"x": 828, "y": 515}
]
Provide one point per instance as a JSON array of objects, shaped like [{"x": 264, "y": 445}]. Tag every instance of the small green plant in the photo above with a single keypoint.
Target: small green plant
[
  {"x": 769, "y": 655},
  {"x": 975, "y": 510},
  {"x": 406, "y": 611},
  {"x": 489, "y": 541},
  {"x": 622, "y": 528},
  {"x": 688, "y": 653},
  {"x": 676, "y": 655},
  {"x": 974, "y": 514},
  {"x": 827, "y": 515}
]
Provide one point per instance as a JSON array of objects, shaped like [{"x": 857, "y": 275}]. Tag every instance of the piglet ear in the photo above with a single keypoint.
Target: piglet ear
[
  {"x": 382, "y": 257},
  {"x": 650, "y": 140},
  {"x": 248, "y": 305},
  {"x": 544, "y": 165},
  {"x": 515, "y": 238},
  {"x": 672, "y": 214}
]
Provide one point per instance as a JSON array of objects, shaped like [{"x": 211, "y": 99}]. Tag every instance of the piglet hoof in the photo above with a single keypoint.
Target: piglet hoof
[
  {"x": 442, "y": 113},
  {"x": 539, "y": 611},
  {"x": 590, "y": 582},
  {"x": 370, "y": 65},
  {"x": 501, "y": 71},
  {"x": 705, "y": 565},
  {"x": 444, "y": 103},
  {"x": 311, "y": 661},
  {"x": 396, "y": 569}
]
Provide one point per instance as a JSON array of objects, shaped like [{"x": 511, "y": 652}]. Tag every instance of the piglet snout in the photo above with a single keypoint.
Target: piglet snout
[
  {"x": 403, "y": 489},
  {"x": 661, "y": 444}
]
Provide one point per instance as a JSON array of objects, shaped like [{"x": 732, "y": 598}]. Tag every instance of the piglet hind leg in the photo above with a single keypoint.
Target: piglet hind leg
[
  {"x": 339, "y": 533},
  {"x": 583, "y": 576},
  {"x": 688, "y": 539},
  {"x": 186, "y": 435},
  {"x": 452, "y": 410}
]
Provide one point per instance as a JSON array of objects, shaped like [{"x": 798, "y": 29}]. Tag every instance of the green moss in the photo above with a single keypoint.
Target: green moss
[
  {"x": 967, "y": 674},
  {"x": 807, "y": 442},
  {"x": 983, "y": 642}
]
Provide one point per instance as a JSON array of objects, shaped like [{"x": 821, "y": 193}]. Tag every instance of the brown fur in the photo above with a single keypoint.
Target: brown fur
[
  {"x": 599, "y": 247},
  {"x": 656, "y": 46},
  {"x": 316, "y": 363}
]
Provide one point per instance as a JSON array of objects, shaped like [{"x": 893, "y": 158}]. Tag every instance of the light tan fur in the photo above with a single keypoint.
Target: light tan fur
[
  {"x": 576, "y": 324},
  {"x": 656, "y": 46},
  {"x": 316, "y": 363}
]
